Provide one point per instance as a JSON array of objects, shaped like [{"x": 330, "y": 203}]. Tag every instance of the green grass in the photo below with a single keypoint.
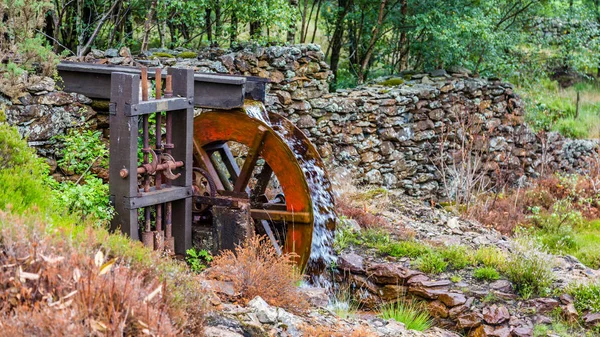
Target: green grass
[
  {"x": 581, "y": 242},
  {"x": 413, "y": 317},
  {"x": 486, "y": 274},
  {"x": 490, "y": 256},
  {"x": 432, "y": 263},
  {"x": 529, "y": 267},
  {"x": 587, "y": 296},
  {"x": 411, "y": 249},
  {"x": 458, "y": 257},
  {"x": 551, "y": 108}
]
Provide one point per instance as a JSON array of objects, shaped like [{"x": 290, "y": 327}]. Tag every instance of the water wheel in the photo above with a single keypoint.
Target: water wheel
[{"x": 266, "y": 158}]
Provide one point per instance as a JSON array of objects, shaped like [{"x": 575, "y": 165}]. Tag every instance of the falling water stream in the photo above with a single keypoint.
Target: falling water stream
[{"x": 320, "y": 188}]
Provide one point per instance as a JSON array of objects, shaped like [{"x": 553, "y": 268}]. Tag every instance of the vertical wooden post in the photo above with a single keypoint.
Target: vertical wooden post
[
  {"x": 183, "y": 123},
  {"x": 125, "y": 90}
]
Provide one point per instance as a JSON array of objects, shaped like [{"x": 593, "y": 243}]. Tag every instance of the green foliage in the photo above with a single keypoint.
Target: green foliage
[
  {"x": 586, "y": 296},
  {"x": 394, "y": 81},
  {"x": 571, "y": 128},
  {"x": 86, "y": 200},
  {"x": 486, "y": 273},
  {"x": 411, "y": 249},
  {"x": 432, "y": 263},
  {"x": 82, "y": 149},
  {"x": 529, "y": 267},
  {"x": 23, "y": 182},
  {"x": 198, "y": 259},
  {"x": 458, "y": 257},
  {"x": 412, "y": 316},
  {"x": 455, "y": 278}
]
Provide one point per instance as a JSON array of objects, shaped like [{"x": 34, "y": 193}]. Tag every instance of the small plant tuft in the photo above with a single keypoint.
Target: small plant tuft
[
  {"x": 486, "y": 274},
  {"x": 411, "y": 315},
  {"x": 198, "y": 259},
  {"x": 432, "y": 263}
]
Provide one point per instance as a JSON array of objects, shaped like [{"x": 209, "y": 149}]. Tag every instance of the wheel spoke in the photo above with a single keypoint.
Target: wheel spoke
[
  {"x": 269, "y": 232},
  {"x": 279, "y": 215},
  {"x": 250, "y": 162},
  {"x": 262, "y": 181}
]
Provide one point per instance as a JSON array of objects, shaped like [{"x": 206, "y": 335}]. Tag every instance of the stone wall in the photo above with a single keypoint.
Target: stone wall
[{"x": 386, "y": 134}]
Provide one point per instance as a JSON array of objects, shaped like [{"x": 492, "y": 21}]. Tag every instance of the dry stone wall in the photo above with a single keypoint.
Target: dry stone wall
[
  {"x": 395, "y": 132},
  {"x": 389, "y": 133}
]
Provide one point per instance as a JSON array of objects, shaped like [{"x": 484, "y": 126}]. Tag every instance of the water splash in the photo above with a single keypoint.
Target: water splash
[{"x": 320, "y": 188}]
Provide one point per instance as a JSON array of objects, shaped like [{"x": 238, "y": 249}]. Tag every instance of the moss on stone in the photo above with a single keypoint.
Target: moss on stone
[
  {"x": 393, "y": 82},
  {"x": 187, "y": 55}
]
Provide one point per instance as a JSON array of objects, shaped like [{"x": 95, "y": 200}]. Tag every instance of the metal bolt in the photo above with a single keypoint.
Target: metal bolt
[{"x": 124, "y": 173}]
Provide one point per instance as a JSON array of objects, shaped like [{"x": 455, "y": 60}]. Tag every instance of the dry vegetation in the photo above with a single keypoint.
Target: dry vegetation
[
  {"x": 69, "y": 282},
  {"x": 338, "y": 331},
  {"x": 255, "y": 269}
]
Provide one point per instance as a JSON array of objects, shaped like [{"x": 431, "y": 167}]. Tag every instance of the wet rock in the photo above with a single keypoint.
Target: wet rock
[
  {"x": 468, "y": 320},
  {"x": 452, "y": 299},
  {"x": 264, "y": 312},
  {"x": 501, "y": 285},
  {"x": 216, "y": 331},
  {"x": 316, "y": 296},
  {"x": 437, "y": 309},
  {"x": 495, "y": 314},
  {"x": 522, "y": 331}
]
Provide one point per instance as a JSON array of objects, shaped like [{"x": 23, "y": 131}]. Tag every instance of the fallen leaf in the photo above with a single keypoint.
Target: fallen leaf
[
  {"x": 99, "y": 258},
  {"x": 106, "y": 267},
  {"x": 52, "y": 260},
  {"x": 97, "y": 325},
  {"x": 76, "y": 274}
]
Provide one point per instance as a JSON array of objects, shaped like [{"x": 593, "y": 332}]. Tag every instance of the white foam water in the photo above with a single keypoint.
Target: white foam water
[{"x": 321, "y": 255}]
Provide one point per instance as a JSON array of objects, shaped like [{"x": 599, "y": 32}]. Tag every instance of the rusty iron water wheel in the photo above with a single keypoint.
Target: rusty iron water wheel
[{"x": 288, "y": 218}]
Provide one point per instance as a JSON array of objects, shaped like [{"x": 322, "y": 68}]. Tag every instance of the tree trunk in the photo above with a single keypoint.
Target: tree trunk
[
  {"x": 234, "y": 28},
  {"x": 374, "y": 37},
  {"x": 316, "y": 21},
  {"x": 337, "y": 38},
  {"x": 255, "y": 29},
  {"x": 291, "y": 35},
  {"x": 209, "y": 28},
  {"x": 148, "y": 25},
  {"x": 218, "y": 32},
  {"x": 303, "y": 27}
]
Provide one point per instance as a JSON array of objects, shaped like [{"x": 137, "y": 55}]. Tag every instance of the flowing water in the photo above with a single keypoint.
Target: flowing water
[{"x": 321, "y": 255}]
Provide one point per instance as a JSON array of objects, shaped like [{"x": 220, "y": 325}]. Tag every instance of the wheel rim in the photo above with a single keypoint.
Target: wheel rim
[{"x": 211, "y": 132}]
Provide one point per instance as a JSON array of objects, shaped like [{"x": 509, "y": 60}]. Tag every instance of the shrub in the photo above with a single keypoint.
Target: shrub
[
  {"x": 490, "y": 256},
  {"x": 411, "y": 249},
  {"x": 529, "y": 267},
  {"x": 361, "y": 215},
  {"x": 86, "y": 200},
  {"x": 197, "y": 259},
  {"x": 256, "y": 269},
  {"x": 82, "y": 149},
  {"x": 432, "y": 263},
  {"x": 413, "y": 317},
  {"x": 22, "y": 174},
  {"x": 586, "y": 296},
  {"x": 486, "y": 273},
  {"x": 572, "y": 128}
]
